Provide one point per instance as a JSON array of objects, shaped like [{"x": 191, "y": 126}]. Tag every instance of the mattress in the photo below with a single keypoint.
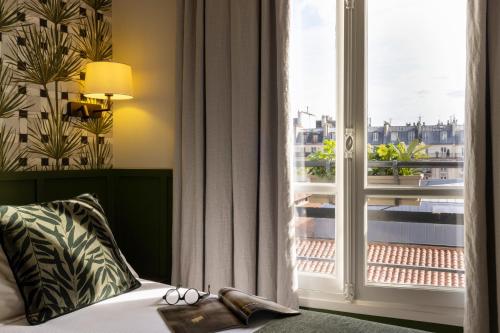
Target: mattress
[{"x": 132, "y": 312}]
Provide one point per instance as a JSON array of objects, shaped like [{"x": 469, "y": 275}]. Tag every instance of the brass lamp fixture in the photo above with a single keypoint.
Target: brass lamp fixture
[{"x": 104, "y": 80}]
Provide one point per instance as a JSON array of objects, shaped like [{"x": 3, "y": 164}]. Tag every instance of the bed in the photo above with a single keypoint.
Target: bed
[
  {"x": 136, "y": 311},
  {"x": 61, "y": 270},
  {"x": 130, "y": 311},
  {"x": 133, "y": 312}
]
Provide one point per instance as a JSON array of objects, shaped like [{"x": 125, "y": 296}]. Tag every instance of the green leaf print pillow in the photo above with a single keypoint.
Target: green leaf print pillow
[{"x": 63, "y": 256}]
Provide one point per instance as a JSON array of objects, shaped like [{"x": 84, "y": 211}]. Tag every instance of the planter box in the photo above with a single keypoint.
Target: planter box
[
  {"x": 391, "y": 180},
  {"x": 375, "y": 180}
]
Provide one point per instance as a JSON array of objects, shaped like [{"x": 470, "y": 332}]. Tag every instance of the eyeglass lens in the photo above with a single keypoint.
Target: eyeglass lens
[
  {"x": 172, "y": 296},
  {"x": 191, "y": 296}
]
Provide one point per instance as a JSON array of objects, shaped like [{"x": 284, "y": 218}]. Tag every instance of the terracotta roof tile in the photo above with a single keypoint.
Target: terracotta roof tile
[{"x": 391, "y": 263}]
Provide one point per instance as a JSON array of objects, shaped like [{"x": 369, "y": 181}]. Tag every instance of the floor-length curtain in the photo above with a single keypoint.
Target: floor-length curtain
[
  {"x": 232, "y": 198},
  {"x": 482, "y": 188}
]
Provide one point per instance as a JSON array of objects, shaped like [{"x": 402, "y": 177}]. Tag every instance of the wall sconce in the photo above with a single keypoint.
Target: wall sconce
[{"x": 103, "y": 80}]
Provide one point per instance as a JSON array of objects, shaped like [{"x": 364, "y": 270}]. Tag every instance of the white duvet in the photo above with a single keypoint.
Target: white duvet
[{"x": 132, "y": 312}]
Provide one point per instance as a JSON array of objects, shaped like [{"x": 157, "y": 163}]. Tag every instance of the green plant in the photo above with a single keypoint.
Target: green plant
[
  {"x": 99, "y": 155},
  {"x": 99, "y": 5},
  {"x": 96, "y": 43},
  {"x": 10, "y": 100},
  {"x": 400, "y": 152},
  {"x": 56, "y": 11},
  {"x": 8, "y": 16},
  {"x": 47, "y": 60},
  {"x": 326, "y": 154},
  {"x": 45, "y": 56},
  {"x": 10, "y": 150},
  {"x": 61, "y": 139}
]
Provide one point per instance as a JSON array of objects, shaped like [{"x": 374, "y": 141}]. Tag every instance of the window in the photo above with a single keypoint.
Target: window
[
  {"x": 380, "y": 222},
  {"x": 398, "y": 248},
  {"x": 444, "y": 136},
  {"x": 411, "y": 137},
  {"x": 313, "y": 84}
]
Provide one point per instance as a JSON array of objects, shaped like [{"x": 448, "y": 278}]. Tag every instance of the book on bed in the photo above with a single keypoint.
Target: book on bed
[{"x": 231, "y": 309}]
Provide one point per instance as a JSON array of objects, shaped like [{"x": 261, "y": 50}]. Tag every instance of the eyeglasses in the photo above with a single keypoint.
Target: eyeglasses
[{"x": 191, "y": 296}]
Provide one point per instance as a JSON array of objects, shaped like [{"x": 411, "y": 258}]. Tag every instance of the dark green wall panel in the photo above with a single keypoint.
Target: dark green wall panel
[
  {"x": 138, "y": 204},
  {"x": 142, "y": 201},
  {"x": 60, "y": 188},
  {"x": 17, "y": 192}
]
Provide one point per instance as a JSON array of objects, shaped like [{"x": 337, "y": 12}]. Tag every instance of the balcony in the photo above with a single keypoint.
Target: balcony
[{"x": 410, "y": 241}]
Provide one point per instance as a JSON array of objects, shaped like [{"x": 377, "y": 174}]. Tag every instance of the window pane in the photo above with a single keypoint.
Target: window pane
[
  {"x": 313, "y": 101},
  {"x": 415, "y": 92},
  {"x": 312, "y": 89},
  {"x": 315, "y": 231},
  {"x": 415, "y": 242}
]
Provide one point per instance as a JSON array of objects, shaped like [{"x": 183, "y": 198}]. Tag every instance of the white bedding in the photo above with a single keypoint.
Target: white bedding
[{"x": 132, "y": 312}]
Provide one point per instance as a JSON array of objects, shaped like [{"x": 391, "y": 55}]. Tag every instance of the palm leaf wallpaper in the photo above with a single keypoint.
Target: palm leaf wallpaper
[{"x": 44, "y": 47}]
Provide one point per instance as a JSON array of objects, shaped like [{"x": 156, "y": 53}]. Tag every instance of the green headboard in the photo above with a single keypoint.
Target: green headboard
[{"x": 138, "y": 204}]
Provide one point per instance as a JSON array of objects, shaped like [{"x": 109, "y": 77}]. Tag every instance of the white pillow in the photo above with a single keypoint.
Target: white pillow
[{"x": 11, "y": 301}]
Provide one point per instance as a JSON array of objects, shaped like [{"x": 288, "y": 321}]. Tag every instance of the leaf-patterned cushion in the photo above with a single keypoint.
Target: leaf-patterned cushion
[{"x": 63, "y": 256}]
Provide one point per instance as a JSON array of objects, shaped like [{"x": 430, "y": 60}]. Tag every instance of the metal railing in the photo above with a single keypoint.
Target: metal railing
[
  {"x": 394, "y": 165},
  {"x": 419, "y": 164},
  {"x": 445, "y": 218}
]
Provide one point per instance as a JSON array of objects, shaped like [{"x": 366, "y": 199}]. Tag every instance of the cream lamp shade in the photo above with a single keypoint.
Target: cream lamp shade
[{"x": 105, "y": 79}]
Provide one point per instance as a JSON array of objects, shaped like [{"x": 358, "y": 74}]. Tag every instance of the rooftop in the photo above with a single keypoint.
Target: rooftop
[{"x": 391, "y": 263}]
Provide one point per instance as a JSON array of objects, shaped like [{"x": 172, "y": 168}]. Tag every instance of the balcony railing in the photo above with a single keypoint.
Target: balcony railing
[
  {"x": 387, "y": 215},
  {"x": 394, "y": 165},
  {"x": 419, "y": 164}
]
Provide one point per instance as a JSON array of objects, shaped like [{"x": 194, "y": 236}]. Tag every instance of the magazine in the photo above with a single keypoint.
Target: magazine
[{"x": 231, "y": 309}]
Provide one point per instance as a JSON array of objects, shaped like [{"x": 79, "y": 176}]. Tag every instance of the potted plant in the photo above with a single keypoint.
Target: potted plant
[
  {"x": 405, "y": 176},
  {"x": 323, "y": 174}
]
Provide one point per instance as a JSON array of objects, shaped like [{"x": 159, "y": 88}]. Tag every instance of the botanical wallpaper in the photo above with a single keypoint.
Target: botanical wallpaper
[{"x": 44, "y": 47}]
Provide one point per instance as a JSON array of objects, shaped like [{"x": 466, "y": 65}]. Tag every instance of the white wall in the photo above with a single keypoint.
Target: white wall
[{"x": 144, "y": 37}]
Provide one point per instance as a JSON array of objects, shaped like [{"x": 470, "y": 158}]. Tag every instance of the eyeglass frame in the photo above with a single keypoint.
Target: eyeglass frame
[{"x": 183, "y": 297}]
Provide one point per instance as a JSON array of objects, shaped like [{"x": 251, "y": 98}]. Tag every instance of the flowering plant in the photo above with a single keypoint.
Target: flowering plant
[
  {"x": 327, "y": 153},
  {"x": 400, "y": 152}
]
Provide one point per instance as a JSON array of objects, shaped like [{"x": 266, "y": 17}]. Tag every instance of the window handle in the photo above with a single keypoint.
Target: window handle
[{"x": 349, "y": 143}]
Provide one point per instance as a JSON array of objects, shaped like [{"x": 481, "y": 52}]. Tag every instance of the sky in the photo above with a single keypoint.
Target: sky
[{"x": 415, "y": 59}]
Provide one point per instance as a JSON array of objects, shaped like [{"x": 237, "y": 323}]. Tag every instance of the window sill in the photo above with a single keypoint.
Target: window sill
[{"x": 335, "y": 302}]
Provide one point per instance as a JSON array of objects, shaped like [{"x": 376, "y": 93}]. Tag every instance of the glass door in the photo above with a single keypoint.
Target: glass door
[
  {"x": 314, "y": 100},
  {"x": 410, "y": 126}
]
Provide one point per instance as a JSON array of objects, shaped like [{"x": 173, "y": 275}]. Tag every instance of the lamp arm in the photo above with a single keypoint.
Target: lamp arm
[
  {"x": 79, "y": 109},
  {"x": 108, "y": 104}
]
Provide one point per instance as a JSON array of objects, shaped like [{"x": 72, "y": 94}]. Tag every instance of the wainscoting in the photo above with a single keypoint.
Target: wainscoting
[{"x": 138, "y": 204}]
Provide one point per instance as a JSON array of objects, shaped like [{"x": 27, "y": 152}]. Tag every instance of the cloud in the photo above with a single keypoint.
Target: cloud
[
  {"x": 423, "y": 92},
  {"x": 311, "y": 17},
  {"x": 456, "y": 93}
]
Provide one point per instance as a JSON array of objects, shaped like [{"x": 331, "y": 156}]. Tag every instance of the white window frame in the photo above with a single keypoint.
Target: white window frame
[
  {"x": 331, "y": 286},
  {"x": 347, "y": 291}
]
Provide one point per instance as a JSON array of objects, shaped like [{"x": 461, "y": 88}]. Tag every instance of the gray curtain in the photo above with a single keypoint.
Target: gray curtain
[
  {"x": 482, "y": 188},
  {"x": 232, "y": 199}
]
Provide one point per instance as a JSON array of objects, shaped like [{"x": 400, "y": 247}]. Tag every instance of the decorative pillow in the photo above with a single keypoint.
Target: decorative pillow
[{"x": 63, "y": 256}]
